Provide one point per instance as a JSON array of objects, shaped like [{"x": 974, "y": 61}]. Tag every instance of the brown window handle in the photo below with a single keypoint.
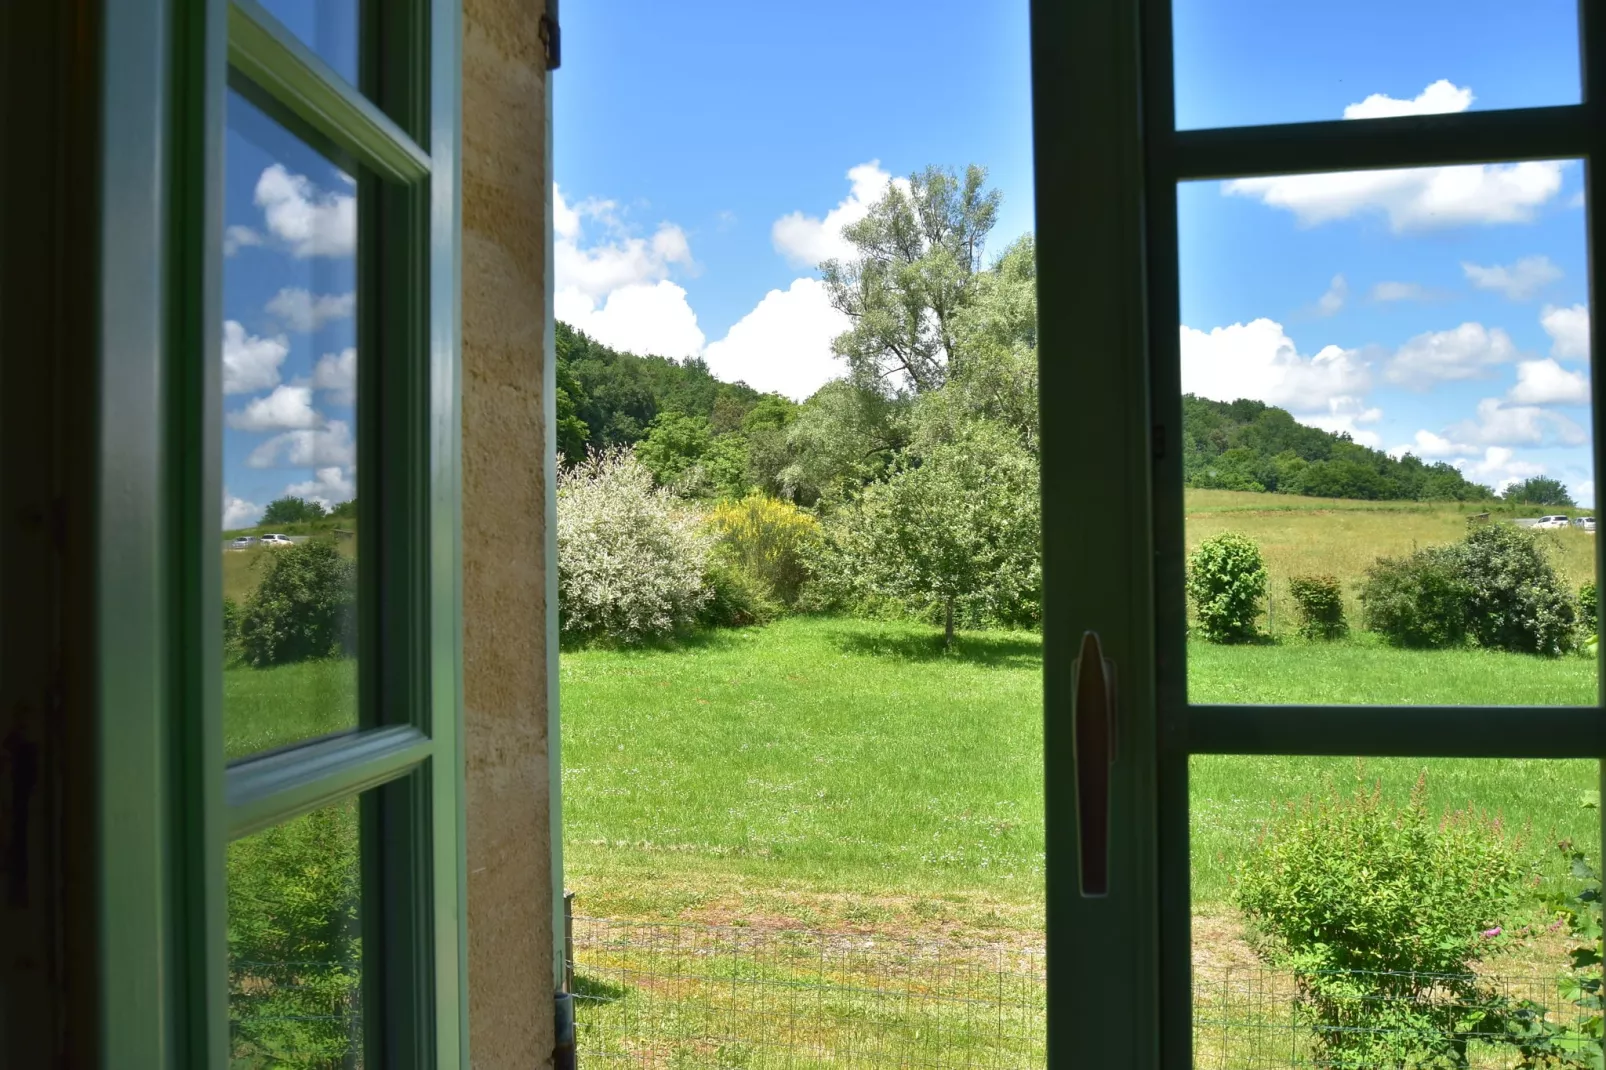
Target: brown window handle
[{"x": 1093, "y": 720}]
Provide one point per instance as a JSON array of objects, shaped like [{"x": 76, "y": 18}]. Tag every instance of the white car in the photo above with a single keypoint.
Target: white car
[
  {"x": 1552, "y": 523},
  {"x": 276, "y": 540},
  {"x": 243, "y": 542},
  {"x": 1585, "y": 522}
]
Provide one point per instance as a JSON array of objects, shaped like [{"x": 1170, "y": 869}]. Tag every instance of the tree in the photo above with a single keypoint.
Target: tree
[
  {"x": 346, "y": 510},
  {"x": 305, "y": 607},
  {"x": 1539, "y": 490},
  {"x": 918, "y": 253},
  {"x": 957, "y": 525},
  {"x": 843, "y": 437},
  {"x": 674, "y": 444},
  {"x": 291, "y": 510}
]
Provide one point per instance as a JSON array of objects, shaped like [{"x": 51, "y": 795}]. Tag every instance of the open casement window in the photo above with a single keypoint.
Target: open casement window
[
  {"x": 281, "y": 875},
  {"x": 1109, "y": 163}
]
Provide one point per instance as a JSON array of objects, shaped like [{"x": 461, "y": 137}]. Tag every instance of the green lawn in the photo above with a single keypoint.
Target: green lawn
[
  {"x": 823, "y": 761},
  {"x": 265, "y": 708}
]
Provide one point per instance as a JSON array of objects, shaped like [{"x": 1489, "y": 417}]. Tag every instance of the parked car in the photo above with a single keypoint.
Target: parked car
[
  {"x": 243, "y": 542},
  {"x": 1552, "y": 523},
  {"x": 276, "y": 540},
  {"x": 1585, "y": 522}
]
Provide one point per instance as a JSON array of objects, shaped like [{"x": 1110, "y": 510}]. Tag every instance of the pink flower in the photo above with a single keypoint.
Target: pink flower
[{"x": 1491, "y": 932}]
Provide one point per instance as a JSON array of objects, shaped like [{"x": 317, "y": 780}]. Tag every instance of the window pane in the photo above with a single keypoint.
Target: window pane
[
  {"x": 295, "y": 945},
  {"x": 1247, "y": 62},
  {"x": 289, "y": 441},
  {"x": 1392, "y": 912},
  {"x": 328, "y": 27},
  {"x": 1386, "y": 437}
]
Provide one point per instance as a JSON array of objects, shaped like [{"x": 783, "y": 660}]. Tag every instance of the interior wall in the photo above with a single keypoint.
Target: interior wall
[{"x": 505, "y": 658}]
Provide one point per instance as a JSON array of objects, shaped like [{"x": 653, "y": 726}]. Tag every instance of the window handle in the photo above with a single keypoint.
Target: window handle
[{"x": 1093, "y": 731}]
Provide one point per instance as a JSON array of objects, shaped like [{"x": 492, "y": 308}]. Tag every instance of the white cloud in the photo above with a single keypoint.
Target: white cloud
[
  {"x": 238, "y": 513},
  {"x": 309, "y": 448},
  {"x": 1519, "y": 281},
  {"x": 1584, "y": 493},
  {"x": 1429, "y": 446},
  {"x": 1400, "y": 291},
  {"x": 784, "y": 344},
  {"x": 1440, "y": 97},
  {"x": 1415, "y": 198},
  {"x": 597, "y": 270},
  {"x": 307, "y": 219},
  {"x": 329, "y": 486},
  {"x": 236, "y": 238},
  {"x": 1499, "y": 468},
  {"x": 337, "y": 374},
  {"x": 1258, "y": 360},
  {"x": 288, "y": 407},
  {"x": 1568, "y": 329},
  {"x": 807, "y": 241},
  {"x": 1500, "y": 424},
  {"x": 1333, "y": 299},
  {"x": 1466, "y": 352},
  {"x": 639, "y": 318},
  {"x": 250, "y": 363},
  {"x": 1345, "y": 415},
  {"x": 1544, "y": 382},
  {"x": 302, "y": 310}
]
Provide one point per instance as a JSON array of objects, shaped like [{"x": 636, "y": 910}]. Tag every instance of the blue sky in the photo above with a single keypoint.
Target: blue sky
[{"x": 707, "y": 155}]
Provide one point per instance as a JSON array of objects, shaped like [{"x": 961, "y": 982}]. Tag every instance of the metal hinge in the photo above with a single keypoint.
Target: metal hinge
[{"x": 552, "y": 36}]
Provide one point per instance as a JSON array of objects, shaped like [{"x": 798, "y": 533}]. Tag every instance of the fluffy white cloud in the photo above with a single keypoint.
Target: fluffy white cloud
[
  {"x": 1499, "y": 468},
  {"x": 597, "y": 270},
  {"x": 238, "y": 513},
  {"x": 1440, "y": 97},
  {"x": 1500, "y": 424},
  {"x": 1429, "y": 446},
  {"x": 308, "y": 448},
  {"x": 236, "y": 238},
  {"x": 1333, "y": 299},
  {"x": 1346, "y": 414},
  {"x": 329, "y": 486},
  {"x": 1584, "y": 493},
  {"x": 1400, "y": 291},
  {"x": 305, "y": 311},
  {"x": 1466, "y": 352},
  {"x": 1519, "y": 281},
  {"x": 640, "y": 318},
  {"x": 1568, "y": 329},
  {"x": 288, "y": 407},
  {"x": 310, "y": 221},
  {"x": 337, "y": 374},
  {"x": 1258, "y": 360},
  {"x": 807, "y": 241},
  {"x": 784, "y": 344},
  {"x": 1544, "y": 382},
  {"x": 1414, "y": 198},
  {"x": 250, "y": 363}
]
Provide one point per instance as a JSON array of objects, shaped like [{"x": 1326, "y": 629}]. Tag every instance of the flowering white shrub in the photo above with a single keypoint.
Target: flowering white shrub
[{"x": 630, "y": 556}]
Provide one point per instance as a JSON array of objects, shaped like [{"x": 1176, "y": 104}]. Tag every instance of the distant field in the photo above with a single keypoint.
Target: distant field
[{"x": 821, "y": 766}]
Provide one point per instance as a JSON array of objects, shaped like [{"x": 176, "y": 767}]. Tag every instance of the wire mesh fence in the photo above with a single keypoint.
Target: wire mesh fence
[{"x": 683, "y": 995}]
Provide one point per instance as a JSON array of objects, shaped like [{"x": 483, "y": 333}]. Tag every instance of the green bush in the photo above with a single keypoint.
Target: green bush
[
  {"x": 1226, "y": 581},
  {"x": 1416, "y": 601},
  {"x": 1381, "y": 912},
  {"x": 1588, "y": 609},
  {"x": 1321, "y": 606},
  {"x": 305, "y": 607},
  {"x": 1515, "y": 600},
  {"x": 231, "y": 623},
  {"x": 737, "y": 598},
  {"x": 772, "y": 540}
]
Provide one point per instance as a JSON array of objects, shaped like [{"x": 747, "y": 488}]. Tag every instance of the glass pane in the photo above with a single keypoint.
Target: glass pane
[
  {"x": 328, "y": 27},
  {"x": 1247, "y": 62},
  {"x": 289, "y": 520},
  {"x": 295, "y": 943},
  {"x": 1394, "y": 912},
  {"x": 1386, "y": 437}
]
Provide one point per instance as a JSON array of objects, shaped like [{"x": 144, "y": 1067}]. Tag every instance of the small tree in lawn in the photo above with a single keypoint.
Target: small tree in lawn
[{"x": 956, "y": 525}]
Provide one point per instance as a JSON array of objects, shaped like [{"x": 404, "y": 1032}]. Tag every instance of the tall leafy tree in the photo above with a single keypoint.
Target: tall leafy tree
[
  {"x": 1539, "y": 490},
  {"x": 291, "y": 510},
  {"x": 917, "y": 254}
]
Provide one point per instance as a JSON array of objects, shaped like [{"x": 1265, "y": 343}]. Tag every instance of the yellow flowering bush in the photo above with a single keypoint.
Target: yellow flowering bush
[{"x": 770, "y": 538}]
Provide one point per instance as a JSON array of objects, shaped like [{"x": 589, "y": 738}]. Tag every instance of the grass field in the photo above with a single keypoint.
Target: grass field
[
  {"x": 821, "y": 765},
  {"x": 265, "y": 708}
]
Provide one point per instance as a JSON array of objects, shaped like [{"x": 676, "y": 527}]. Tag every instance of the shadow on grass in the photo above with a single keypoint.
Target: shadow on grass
[
  {"x": 711, "y": 639},
  {"x": 595, "y": 988},
  {"x": 1009, "y": 651}
]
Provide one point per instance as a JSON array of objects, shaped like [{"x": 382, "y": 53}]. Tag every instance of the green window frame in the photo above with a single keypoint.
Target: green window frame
[
  {"x": 1108, "y": 162},
  {"x": 168, "y": 804}
]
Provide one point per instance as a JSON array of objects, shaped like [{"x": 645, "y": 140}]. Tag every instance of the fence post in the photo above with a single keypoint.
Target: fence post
[{"x": 568, "y": 941}]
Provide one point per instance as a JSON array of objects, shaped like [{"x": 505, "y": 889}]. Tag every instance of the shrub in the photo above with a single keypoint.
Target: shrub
[
  {"x": 305, "y": 607},
  {"x": 1416, "y": 601},
  {"x": 768, "y": 538},
  {"x": 1226, "y": 581},
  {"x": 1381, "y": 911},
  {"x": 1321, "y": 606},
  {"x": 1515, "y": 600},
  {"x": 630, "y": 556},
  {"x": 231, "y": 622},
  {"x": 736, "y": 598},
  {"x": 1588, "y": 609}
]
